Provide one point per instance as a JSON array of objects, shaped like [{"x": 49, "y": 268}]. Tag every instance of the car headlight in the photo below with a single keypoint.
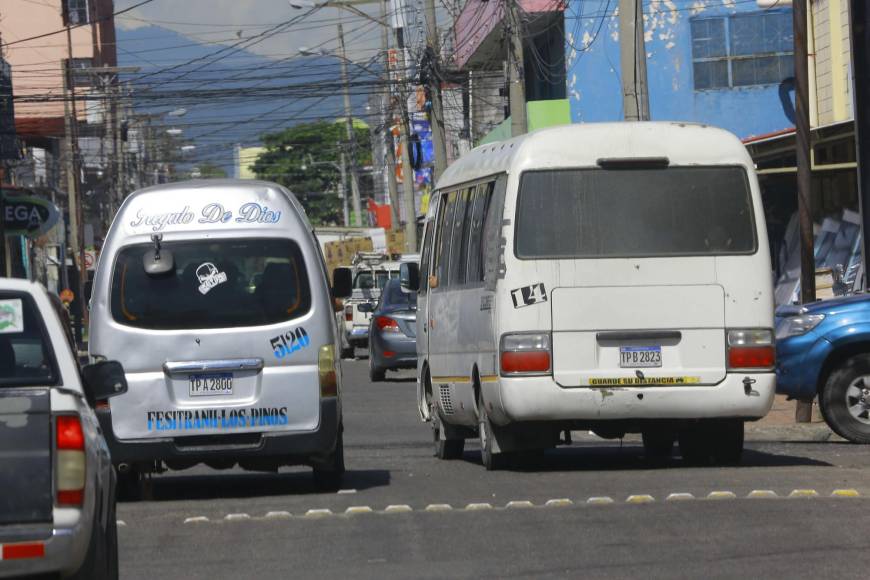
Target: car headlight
[{"x": 797, "y": 325}]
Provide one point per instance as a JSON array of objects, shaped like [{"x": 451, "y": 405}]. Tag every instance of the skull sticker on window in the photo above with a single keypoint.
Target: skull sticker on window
[{"x": 209, "y": 277}]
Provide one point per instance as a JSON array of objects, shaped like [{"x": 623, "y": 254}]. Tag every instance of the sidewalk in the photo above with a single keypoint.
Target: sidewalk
[{"x": 779, "y": 425}]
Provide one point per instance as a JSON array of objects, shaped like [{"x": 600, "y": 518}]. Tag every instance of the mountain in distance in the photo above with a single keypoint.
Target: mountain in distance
[{"x": 230, "y": 98}]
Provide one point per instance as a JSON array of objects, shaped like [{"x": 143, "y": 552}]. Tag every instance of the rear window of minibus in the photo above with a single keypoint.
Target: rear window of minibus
[{"x": 634, "y": 213}]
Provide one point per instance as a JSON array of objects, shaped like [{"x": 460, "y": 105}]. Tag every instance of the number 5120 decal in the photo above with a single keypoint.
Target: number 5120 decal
[{"x": 289, "y": 342}]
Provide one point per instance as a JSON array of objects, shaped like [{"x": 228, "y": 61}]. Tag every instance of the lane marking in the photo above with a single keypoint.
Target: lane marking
[
  {"x": 845, "y": 493},
  {"x": 318, "y": 513},
  {"x": 196, "y": 520},
  {"x": 519, "y": 504},
  {"x": 236, "y": 517},
  {"x": 121, "y": 523},
  {"x": 278, "y": 515},
  {"x": 762, "y": 494},
  {"x": 721, "y": 495},
  {"x": 640, "y": 498},
  {"x": 358, "y": 509},
  {"x": 599, "y": 500},
  {"x": 679, "y": 497},
  {"x": 562, "y": 502},
  {"x": 478, "y": 506},
  {"x": 398, "y": 509},
  {"x": 439, "y": 507},
  {"x": 346, "y": 491},
  {"x": 803, "y": 493}
]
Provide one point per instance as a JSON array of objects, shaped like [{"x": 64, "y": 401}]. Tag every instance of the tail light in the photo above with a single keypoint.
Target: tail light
[
  {"x": 525, "y": 354},
  {"x": 751, "y": 349},
  {"x": 70, "y": 461},
  {"x": 386, "y": 324},
  {"x": 348, "y": 313},
  {"x": 326, "y": 371}
]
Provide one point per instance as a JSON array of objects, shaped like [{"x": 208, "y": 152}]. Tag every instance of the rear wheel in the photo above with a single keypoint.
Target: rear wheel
[
  {"x": 328, "y": 475},
  {"x": 845, "y": 399},
  {"x": 445, "y": 448},
  {"x": 130, "y": 484},
  {"x": 658, "y": 444},
  {"x": 347, "y": 352},
  {"x": 491, "y": 459},
  {"x": 719, "y": 441},
  {"x": 101, "y": 560}
]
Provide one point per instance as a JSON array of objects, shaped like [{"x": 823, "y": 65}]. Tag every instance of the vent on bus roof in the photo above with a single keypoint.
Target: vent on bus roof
[{"x": 446, "y": 400}]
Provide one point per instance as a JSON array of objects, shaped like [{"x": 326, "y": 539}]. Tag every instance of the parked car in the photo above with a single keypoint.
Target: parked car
[
  {"x": 392, "y": 331},
  {"x": 823, "y": 349},
  {"x": 57, "y": 504}
]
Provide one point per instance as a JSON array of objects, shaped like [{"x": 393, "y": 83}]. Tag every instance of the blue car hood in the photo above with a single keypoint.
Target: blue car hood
[{"x": 843, "y": 303}]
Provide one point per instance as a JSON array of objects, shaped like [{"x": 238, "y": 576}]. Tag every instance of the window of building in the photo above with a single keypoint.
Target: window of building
[
  {"x": 79, "y": 73},
  {"x": 742, "y": 50},
  {"x": 77, "y": 11}
]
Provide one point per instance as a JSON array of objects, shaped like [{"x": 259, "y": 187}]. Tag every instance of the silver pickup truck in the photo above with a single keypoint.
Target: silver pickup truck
[{"x": 57, "y": 484}]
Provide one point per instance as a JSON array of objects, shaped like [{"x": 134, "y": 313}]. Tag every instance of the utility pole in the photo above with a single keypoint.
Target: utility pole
[
  {"x": 387, "y": 99},
  {"x": 342, "y": 187},
  {"x": 354, "y": 176},
  {"x": 516, "y": 71},
  {"x": 437, "y": 117},
  {"x": 632, "y": 53},
  {"x": 410, "y": 209},
  {"x": 803, "y": 411},
  {"x": 76, "y": 225}
]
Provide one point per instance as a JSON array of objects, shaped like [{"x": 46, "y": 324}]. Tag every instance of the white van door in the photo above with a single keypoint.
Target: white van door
[{"x": 637, "y": 299}]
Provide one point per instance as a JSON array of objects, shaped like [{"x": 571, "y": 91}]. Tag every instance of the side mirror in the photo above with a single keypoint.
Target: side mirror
[
  {"x": 409, "y": 276},
  {"x": 103, "y": 380},
  {"x": 342, "y": 283},
  {"x": 366, "y": 307}
]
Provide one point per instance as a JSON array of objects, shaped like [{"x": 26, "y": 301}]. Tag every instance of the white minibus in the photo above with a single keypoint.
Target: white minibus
[{"x": 605, "y": 277}]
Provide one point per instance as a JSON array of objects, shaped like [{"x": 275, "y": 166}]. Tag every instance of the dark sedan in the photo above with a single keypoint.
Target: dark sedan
[{"x": 392, "y": 331}]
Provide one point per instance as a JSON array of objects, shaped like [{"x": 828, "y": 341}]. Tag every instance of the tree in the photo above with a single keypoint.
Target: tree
[
  {"x": 314, "y": 146},
  {"x": 209, "y": 170}
]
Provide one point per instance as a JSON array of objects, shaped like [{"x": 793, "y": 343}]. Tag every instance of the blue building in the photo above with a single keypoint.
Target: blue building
[{"x": 726, "y": 63}]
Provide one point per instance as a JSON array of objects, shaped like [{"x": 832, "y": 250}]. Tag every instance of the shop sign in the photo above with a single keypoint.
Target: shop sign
[{"x": 29, "y": 216}]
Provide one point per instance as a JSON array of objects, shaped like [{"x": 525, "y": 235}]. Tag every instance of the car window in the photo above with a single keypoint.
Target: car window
[
  {"x": 214, "y": 284},
  {"x": 26, "y": 353}
]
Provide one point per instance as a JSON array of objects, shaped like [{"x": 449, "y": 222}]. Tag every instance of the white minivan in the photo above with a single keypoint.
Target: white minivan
[
  {"x": 611, "y": 277},
  {"x": 215, "y": 296}
]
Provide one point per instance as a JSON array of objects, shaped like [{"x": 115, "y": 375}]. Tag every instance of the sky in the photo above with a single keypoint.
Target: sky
[{"x": 229, "y": 21}]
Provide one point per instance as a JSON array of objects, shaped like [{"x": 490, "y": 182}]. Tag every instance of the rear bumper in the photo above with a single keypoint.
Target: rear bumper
[
  {"x": 541, "y": 399},
  {"x": 358, "y": 335},
  {"x": 65, "y": 550},
  {"x": 300, "y": 447},
  {"x": 403, "y": 349}
]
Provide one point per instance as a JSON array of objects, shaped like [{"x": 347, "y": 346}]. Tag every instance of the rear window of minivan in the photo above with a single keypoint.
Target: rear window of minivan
[
  {"x": 634, "y": 213},
  {"x": 215, "y": 284}
]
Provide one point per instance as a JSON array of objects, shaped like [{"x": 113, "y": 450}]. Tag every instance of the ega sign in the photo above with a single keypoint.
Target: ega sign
[{"x": 28, "y": 216}]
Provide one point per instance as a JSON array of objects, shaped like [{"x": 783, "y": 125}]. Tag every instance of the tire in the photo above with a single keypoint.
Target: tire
[
  {"x": 445, "y": 448},
  {"x": 376, "y": 375},
  {"x": 658, "y": 445},
  {"x": 347, "y": 352},
  {"x": 694, "y": 445},
  {"x": 101, "y": 560},
  {"x": 328, "y": 475},
  {"x": 726, "y": 442},
  {"x": 492, "y": 460},
  {"x": 845, "y": 399},
  {"x": 130, "y": 484}
]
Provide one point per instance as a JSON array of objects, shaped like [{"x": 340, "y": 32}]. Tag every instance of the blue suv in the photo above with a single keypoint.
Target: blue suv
[{"x": 823, "y": 349}]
